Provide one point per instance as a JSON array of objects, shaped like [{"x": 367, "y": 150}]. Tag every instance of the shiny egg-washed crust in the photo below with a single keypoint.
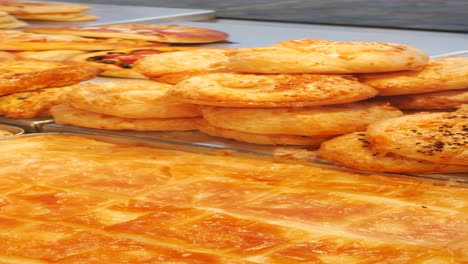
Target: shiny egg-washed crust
[
  {"x": 353, "y": 151},
  {"x": 250, "y": 90},
  {"x": 150, "y": 32},
  {"x": 441, "y": 74},
  {"x": 435, "y": 137},
  {"x": 324, "y": 56},
  {"x": 112, "y": 70},
  {"x": 174, "y": 67},
  {"x": 28, "y": 75},
  {"x": 303, "y": 121},
  {"x": 26, "y": 7},
  {"x": 129, "y": 99},
  {"x": 31, "y": 104},
  {"x": 66, "y": 17},
  {"x": 208, "y": 129},
  {"x": 67, "y": 115},
  {"x": 427, "y": 101},
  {"x": 18, "y": 40}
]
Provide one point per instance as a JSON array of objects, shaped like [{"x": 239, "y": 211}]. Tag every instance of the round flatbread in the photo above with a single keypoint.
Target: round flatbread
[
  {"x": 129, "y": 99},
  {"x": 434, "y": 137},
  {"x": 174, "y": 67},
  {"x": 436, "y": 100},
  {"x": 67, "y": 115},
  {"x": 250, "y": 90},
  {"x": 150, "y": 32},
  {"x": 441, "y": 74},
  {"x": 352, "y": 151},
  {"x": 28, "y": 75},
  {"x": 120, "y": 63},
  {"x": 208, "y": 129},
  {"x": 303, "y": 121},
  {"x": 25, "y": 7},
  {"x": 31, "y": 104},
  {"x": 323, "y": 56}
]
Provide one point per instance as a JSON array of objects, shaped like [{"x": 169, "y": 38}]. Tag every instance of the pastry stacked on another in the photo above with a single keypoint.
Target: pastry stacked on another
[
  {"x": 28, "y": 88},
  {"x": 8, "y": 21},
  {"x": 138, "y": 105},
  {"x": 418, "y": 143},
  {"x": 51, "y": 11},
  {"x": 296, "y": 92},
  {"x": 442, "y": 84}
]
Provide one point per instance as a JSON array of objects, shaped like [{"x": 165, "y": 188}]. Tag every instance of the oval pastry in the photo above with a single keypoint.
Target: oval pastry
[
  {"x": 129, "y": 99},
  {"x": 303, "y": 121},
  {"x": 353, "y": 151},
  {"x": 324, "y": 56},
  {"x": 436, "y": 100},
  {"x": 208, "y": 129},
  {"x": 249, "y": 90},
  {"x": 434, "y": 137},
  {"x": 447, "y": 73},
  {"x": 173, "y": 67},
  {"x": 67, "y": 115}
]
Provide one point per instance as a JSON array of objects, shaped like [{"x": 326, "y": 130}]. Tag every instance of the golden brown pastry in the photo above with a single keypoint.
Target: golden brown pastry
[
  {"x": 262, "y": 139},
  {"x": 353, "y": 151},
  {"x": 173, "y": 67},
  {"x": 31, "y": 104},
  {"x": 441, "y": 74},
  {"x": 129, "y": 99},
  {"x": 325, "y": 56},
  {"x": 67, "y": 115},
  {"x": 250, "y": 90},
  {"x": 301, "y": 121},
  {"x": 28, "y": 75},
  {"x": 435, "y": 100},
  {"x": 434, "y": 137}
]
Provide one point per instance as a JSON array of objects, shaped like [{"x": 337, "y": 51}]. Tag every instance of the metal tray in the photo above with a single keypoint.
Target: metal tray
[
  {"x": 194, "y": 141},
  {"x": 12, "y": 129},
  {"x": 29, "y": 125}
]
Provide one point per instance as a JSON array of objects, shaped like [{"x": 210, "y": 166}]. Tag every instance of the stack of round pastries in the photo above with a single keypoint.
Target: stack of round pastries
[
  {"x": 441, "y": 84},
  {"x": 418, "y": 143},
  {"x": 300, "y": 92},
  {"x": 138, "y": 105}
]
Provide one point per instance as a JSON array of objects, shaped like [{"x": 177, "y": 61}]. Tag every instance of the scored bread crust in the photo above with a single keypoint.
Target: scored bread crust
[
  {"x": 249, "y": 90},
  {"x": 324, "y": 56},
  {"x": 352, "y": 150},
  {"x": 159, "y": 33},
  {"x": 208, "y": 129},
  {"x": 441, "y": 74},
  {"x": 435, "y": 100},
  {"x": 31, "y": 104},
  {"x": 304, "y": 121},
  {"x": 435, "y": 137},
  {"x": 66, "y": 115},
  {"x": 174, "y": 67},
  {"x": 129, "y": 99},
  {"x": 28, "y": 75}
]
